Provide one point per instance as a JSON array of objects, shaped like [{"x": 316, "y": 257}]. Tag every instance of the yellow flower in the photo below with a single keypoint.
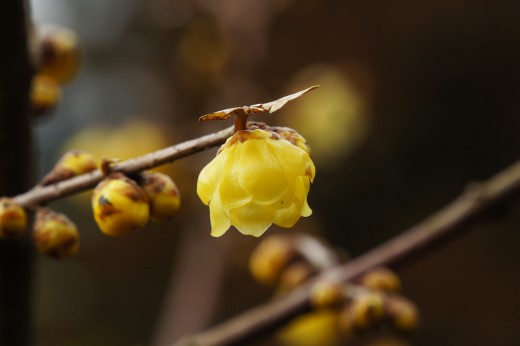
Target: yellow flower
[{"x": 255, "y": 180}]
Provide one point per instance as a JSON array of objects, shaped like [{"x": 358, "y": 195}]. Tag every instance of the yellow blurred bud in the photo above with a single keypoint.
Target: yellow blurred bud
[
  {"x": 54, "y": 234},
  {"x": 295, "y": 274},
  {"x": 120, "y": 206},
  {"x": 44, "y": 95},
  {"x": 163, "y": 195},
  {"x": 403, "y": 314},
  {"x": 13, "y": 219},
  {"x": 317, "y": 328},
  {"x": 270, "y": 258},
  {"x": 72, "y": 163},
  {"x": 255, "y": 180},
  {"x": 336, "y": 121},
  {"x": 381, "y": 279},
  {"x": 364, "y": 311},
  {"x": 58, "y": 53},
  {"x": 326, "y": 294}
]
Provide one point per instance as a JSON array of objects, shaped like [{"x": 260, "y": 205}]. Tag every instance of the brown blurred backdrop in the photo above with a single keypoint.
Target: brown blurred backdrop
[{"x": 417, "y": 99}]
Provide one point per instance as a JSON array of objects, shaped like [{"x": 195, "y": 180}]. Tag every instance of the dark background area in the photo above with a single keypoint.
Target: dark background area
[{"x": 417, "y": 99}]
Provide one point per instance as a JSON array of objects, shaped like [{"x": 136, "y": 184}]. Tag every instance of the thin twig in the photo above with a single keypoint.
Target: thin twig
[
  {"x": 43, "y": 194},
  {"x": 477, "y": 200}
]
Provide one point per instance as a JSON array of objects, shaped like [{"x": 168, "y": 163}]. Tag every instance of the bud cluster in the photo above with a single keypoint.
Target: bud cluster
[
  {"x": 57, "y": 60},
  {"x": 370, "y": 303},
  {"x": 122, "y": 205},
  {"x": 53, "y": 233}
]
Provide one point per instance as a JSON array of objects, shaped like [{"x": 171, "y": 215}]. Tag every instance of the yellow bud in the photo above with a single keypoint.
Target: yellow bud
[
  {"x": 120, "y": 206},
  {"x": 163, "y": 195},
  {"x": 327, "y": 294},
  {"x": 72, "y": 163},
  {"x": 295, "y": 274},
  {"x": 317, "y": 328},
  {"x": 270, "y": 257},
  {"x": 257, "y": 179},
  {"x": 54, "y": 234},
  {"x": 404, "y": 315},
  {"x": 45, "y": 94},
  {"x": 364, "y": 311},
  {"x": 58, "y": 53},
  {"x": 13, "y": 219},
  {"x": 381, "y": 279}
]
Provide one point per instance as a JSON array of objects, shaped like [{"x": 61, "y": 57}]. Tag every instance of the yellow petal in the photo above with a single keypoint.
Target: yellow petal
[
  {"x": 230, "y": 193},
  {"x": 306, "y": 210},
  {"x": 209, "y": 177},
  {"x": 294, "y": 204},
  {"x": 287, "y": 217},
  {"x": 252, "y": 219},
  {"x": 258, "y": 133},
  {"x": 261, "y": 175},
  {"x": 220, "y": 222},
  {"x": 292, "y": 158}
]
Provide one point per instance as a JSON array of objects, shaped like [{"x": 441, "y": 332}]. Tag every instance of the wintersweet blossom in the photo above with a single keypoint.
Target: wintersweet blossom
[{"x": 256, "y": 179}]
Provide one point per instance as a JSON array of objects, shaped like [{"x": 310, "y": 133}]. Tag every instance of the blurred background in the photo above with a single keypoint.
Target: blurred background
[{"x": 417, "y": 99}]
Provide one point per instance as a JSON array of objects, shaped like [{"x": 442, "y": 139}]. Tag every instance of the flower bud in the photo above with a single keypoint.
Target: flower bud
[
  {"x": 72, "y": 163},
  {"x": 163, "y": 195},
  {"x": 270, "y": 258},
  {"x": 45, "y": 94},
  {"x": 120, "y": 206},
  {"x": 364, "y": 311},
  {"x": 403, "y": 314},
  {"x": 58, "y": 53},
  {"x": 317, "y": 328},
  {"x": 326, "y": 294},
  {"x": 54, "y": 234},
  {"x": 381, "y": 279},
  {"x": 13, "y": 219},
  {"x": 295, "y": 274}
]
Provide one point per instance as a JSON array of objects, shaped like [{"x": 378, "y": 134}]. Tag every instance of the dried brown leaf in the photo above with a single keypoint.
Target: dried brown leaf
[{"x": 270, "y": 107}]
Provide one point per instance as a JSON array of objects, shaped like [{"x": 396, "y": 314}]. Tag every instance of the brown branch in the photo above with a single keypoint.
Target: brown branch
[
  {"x": 454, "y": 218},
  {"x": 43, "y": 194}
]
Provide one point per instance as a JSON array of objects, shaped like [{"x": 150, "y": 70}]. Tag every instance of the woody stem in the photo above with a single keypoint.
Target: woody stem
[{"x": 240, "y": 122}]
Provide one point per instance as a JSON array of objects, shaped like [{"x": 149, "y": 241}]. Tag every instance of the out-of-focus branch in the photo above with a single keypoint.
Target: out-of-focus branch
[
  {"x": 44, "y": 194},
  {"x": 477, "y": 200},
  {"x": 16, "y": 257}
]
